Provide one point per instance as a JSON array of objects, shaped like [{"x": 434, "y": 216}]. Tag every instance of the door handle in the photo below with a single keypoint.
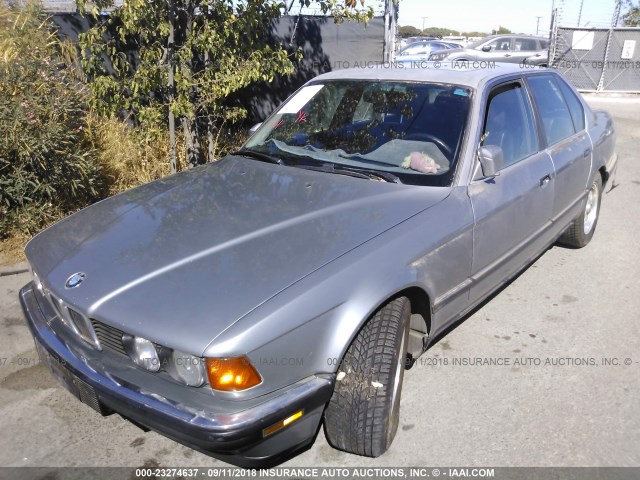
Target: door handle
[
  {"x": 586, "y": 153},
  {"x": 544, "y": 181},
  {"x": 507, "y": 54}
]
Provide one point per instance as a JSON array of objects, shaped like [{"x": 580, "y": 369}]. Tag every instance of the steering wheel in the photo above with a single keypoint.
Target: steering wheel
[{"x": 427, "y": 137}]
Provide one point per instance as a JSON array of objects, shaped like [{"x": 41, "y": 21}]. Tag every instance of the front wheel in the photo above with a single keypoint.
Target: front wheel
[
  {"x": 363, "y": 413},
  {"x": 581, "y": 230}
]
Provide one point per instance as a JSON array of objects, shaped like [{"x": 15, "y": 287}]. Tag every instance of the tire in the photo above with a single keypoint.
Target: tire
[
  {"x": 363, "y": 413},
  {"x": 581, "y": 230}
]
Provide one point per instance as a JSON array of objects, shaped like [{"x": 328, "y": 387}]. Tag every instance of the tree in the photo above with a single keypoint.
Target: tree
[
  {"x": 474, "y": 34},
  {"x": 408, "y": 31},
  {"x": 437, "y": 32},
  {"x": 632, "y": 16},
  {"x": 501, "y": 31},
  {"x": 184, "y": 58}
]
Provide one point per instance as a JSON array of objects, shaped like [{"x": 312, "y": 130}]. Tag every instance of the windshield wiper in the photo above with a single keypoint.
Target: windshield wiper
[
  {"x": 386, "y": 176},
  {"x": 352, "y": 172},
  {"x": 263, "y": 157}
]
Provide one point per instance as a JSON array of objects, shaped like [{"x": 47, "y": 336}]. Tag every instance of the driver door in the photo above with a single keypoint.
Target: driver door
[{"x": 513, "y": 209}]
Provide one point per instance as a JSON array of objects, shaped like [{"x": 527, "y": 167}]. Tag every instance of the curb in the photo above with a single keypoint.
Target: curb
[{"x": 22, "y": 267}]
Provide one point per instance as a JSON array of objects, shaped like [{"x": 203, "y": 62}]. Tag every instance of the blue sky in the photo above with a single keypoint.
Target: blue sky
[{"x": 517, "y": 15}]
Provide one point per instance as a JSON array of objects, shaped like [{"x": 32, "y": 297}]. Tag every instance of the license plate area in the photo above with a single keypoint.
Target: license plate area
[{"x": 79, "y": 388}]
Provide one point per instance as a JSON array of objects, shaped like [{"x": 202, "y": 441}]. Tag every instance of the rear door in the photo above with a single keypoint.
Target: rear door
[
  {"x": 562, "y": 122},
  {"x": 524, "y": 48},
  {"x": 513, "y": 209}
]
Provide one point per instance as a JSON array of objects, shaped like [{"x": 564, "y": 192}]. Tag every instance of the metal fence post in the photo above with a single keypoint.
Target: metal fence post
[
  {"x": 390, "y": 30},
  {"x": 600, "y": 86},
  {"x": 551, "y": 54},
  {"x": 614, "y": 22}
]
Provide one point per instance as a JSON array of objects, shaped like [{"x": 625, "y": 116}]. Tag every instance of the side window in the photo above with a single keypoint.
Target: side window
[
  {"x": 525, "y": 44},
  {"x": 509, "y": 123},
  {"x": 554, "y": 111},
  {"x": 418, "y": 49},
  {"x": 500, "y": 44},
  {"x": 575, "y": 106}
]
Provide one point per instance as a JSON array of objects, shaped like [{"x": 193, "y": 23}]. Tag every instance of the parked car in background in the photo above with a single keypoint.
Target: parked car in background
[
  {"x": 422, "y": 50},
  {"x": 238, "y": 306},
  {"x": 501, "y": 48},
  {"x": 459, "y": 40},
  {"x": 409, "y": 40}
]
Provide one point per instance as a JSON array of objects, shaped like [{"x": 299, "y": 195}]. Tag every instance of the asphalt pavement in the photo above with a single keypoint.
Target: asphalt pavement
[{"x": 545, "y": 374}]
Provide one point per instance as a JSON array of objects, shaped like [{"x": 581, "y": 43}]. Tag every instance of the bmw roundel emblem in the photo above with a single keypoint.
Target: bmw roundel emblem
[{"x": 74, "y": 280}]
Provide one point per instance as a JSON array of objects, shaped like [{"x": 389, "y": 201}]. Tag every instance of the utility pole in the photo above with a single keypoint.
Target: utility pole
[
  {"x": 423, "y": 19},
  {"x": 538, "y": 25}
]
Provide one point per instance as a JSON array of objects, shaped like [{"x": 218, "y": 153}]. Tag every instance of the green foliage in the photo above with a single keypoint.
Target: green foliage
[
  {"x": 631, "y": 17},
  {"x": 501, "y": 31},
  {"x": 408, "y": 31},
  {"x": 47, "y": 166},
  {"x": 218, "y": 48},
  {"x": 474, "y": 34},
  {"x": 439, "y": 32}
]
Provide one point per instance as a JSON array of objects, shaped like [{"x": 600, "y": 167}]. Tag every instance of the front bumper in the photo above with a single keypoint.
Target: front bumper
[
  {"x": 229, "y": 430},
  {"x": 612, "y": 169}
]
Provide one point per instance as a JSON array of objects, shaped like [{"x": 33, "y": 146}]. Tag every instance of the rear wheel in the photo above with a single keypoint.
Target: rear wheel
[
  {"x": 363, "y": 413},
  {"x": 581, "y": 231}
]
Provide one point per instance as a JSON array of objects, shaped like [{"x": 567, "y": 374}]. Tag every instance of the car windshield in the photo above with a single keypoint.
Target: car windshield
[
  {"x": 476, "y": 43},
  {"x": 412, "y": 131}
]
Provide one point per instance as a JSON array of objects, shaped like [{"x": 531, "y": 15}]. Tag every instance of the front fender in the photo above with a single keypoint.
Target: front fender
[{"x": 309, "y": 326}]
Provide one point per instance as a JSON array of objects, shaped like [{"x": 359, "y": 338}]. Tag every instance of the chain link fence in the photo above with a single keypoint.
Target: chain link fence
[{"x": 598, "y": 59}]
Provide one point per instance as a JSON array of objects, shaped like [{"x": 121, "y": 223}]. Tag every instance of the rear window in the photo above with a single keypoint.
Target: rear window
[{"x": 525, "y": 45}]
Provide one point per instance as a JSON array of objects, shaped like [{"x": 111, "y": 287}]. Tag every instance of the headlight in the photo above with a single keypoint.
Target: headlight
[
  {"x": 232, "y": 374},
  {"x": 142, "y": 352},
  {"x": 36, "y": 280},
  {"x": 186, "y": 368}
]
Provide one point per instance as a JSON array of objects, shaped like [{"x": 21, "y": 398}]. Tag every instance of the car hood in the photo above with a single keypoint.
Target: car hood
[{"x": 180, "y": 260}]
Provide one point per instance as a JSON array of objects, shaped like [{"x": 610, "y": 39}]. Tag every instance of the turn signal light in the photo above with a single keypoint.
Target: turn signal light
[
  {"x": 232, "y": 374},
  {"x": 280, "y": 425}
]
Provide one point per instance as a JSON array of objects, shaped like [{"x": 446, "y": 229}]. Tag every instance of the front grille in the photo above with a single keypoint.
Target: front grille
[
  {"x": 109, "y": 337},
  {"x": 82, "y": 325},
  {"x": 71, "y": 318},
  {"x": 57, "y": 305}
]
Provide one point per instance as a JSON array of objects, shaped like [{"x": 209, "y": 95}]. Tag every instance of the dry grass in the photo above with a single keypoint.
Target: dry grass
[
  {"x": 130, "y": 157},
  {"x": 11, "y": 249}
]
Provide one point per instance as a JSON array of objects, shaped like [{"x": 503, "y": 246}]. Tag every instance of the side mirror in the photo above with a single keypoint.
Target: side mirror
[
  {"x": 486, "y": 48},
  {"x": 255, "y": 128},
  {"x": 491, "y": 160}
]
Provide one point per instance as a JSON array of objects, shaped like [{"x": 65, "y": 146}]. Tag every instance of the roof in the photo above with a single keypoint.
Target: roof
[
  {"x": 502, "y": 35},
  {"x": 451, "y": 72}
]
